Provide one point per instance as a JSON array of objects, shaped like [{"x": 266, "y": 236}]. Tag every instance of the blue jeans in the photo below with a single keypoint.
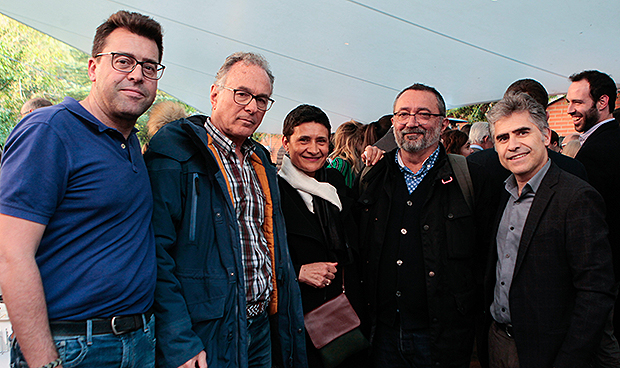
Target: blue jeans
[
  {"x": 259, "y": 342},
  {"x": 131, "y": 350},
  {"x": 394, "y": 347}
]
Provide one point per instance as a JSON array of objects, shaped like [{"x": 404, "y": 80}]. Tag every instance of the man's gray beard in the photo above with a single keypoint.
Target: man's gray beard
[{"x": 430, "y": 137}]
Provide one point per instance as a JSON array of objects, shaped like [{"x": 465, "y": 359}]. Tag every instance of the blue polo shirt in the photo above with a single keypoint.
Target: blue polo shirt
[{"x": 65, "y": 169}]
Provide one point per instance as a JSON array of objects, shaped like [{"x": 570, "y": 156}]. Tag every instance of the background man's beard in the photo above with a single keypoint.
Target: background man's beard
[{"x": 591, "y": 118}]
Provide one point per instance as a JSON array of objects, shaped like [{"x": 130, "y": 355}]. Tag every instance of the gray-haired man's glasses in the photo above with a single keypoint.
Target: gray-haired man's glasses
[{"x": 241, "y": 97}]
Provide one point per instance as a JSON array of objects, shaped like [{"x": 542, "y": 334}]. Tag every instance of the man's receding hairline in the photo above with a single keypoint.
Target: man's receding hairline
[{"x": 417, "y": 90}]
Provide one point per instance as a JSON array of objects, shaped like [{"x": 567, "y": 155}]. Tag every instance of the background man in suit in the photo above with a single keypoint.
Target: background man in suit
[
  {"x": 591, "y": 100},
  {"x": 479, "y": 136},
  {"x": 549, "y": 279}
]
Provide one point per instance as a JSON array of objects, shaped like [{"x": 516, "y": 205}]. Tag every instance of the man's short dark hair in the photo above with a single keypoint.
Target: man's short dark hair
[
  {"x": 133, "y": 22},
  {"x": 441, "y": 104},
  {"x": 36, "y": 103},
  {"x": 555, "y": 138},
  {"x": 533, "y": 88},
  {"x": 515, "y": 103},
  {"x": 304, "y": 114},
  {"x": 600, "y": 84}
]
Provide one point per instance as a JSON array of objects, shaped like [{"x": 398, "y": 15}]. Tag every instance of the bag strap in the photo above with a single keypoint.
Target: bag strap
[{"x": 461, "y": 171}]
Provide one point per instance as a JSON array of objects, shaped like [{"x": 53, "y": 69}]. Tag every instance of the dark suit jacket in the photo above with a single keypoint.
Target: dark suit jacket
[
  {"x": 600, "y": 154},
  {"x": 561, "y": 292}
]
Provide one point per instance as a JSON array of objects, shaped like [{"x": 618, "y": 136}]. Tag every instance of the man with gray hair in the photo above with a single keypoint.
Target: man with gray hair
[
  {"x": 549, "y": 279},
  {"x": 479, "y": 136},
  {"x": 224, "y": 272}
]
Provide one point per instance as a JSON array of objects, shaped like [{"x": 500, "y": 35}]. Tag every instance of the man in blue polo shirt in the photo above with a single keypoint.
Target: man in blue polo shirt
[{"x": 77, "y": 254}]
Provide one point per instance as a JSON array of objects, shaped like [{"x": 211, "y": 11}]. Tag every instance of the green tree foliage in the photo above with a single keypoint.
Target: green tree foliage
[
  {"x": 471, "y": 113},
  {"x": 33, "y": 64}
]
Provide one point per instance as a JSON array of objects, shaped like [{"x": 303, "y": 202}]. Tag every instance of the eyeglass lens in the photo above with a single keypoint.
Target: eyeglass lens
[{"x": 126, "y": 63}]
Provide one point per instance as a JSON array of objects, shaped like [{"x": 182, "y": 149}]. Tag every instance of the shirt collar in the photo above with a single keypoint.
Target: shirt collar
[
  {"x": 584, "y": 136},
  {"x": 76, "y": 107},
  {"x": 223, "y": 143},
  {"x": 426, "y": 166},
  {"x": 531, "y": 186}
]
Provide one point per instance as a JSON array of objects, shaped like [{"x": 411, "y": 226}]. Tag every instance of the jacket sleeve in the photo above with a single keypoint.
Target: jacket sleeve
[
  {"x": 589, "y": 257},
  {"x": 176, "y": 341}
]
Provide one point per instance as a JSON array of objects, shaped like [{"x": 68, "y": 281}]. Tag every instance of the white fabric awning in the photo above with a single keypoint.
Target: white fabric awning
[{"x": 352, "y": 57}]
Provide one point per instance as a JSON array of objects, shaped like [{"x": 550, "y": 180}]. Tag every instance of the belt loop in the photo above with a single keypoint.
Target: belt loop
[
  {"x": 89, "y": 332},
  {"x": 144, "y": 323}
]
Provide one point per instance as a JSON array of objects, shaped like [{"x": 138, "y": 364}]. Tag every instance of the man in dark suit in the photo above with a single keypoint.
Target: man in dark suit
[
  {"x": 495, "y": 174},
  {"x": 591, "y": 100},
  {"x": 479, "y": 136},
  {"x": 549, "y": 281}
]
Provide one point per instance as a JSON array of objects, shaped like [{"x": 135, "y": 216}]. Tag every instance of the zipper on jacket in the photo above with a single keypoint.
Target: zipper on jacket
[{"x": 192, "y": 215}]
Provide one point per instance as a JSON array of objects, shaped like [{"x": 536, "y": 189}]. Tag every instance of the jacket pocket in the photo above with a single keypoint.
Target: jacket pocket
[
  {"x": 460, "y": 234},
  {"x": 205, "y": 295}
]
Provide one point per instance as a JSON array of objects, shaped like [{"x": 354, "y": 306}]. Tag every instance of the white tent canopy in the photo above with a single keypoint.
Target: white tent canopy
[{"x": 352, "y": 57}]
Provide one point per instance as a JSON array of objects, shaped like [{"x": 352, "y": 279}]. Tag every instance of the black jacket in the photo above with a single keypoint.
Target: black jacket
[
  {"x": 601, "y": 157},
  {"x": 306, "y": 242},
  {"x": 447, "y": 227}
]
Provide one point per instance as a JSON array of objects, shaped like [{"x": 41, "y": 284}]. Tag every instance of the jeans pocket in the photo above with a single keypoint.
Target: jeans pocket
[
  {"x": 17, "y": 358},
  {"x": 150, "y": 331},
  {"x": 72, "y": 350}
]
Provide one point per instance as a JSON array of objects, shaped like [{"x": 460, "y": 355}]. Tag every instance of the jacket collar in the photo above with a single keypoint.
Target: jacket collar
[
  {"x": 601, "y": 129},
  {"x": 389, "y": 169}
]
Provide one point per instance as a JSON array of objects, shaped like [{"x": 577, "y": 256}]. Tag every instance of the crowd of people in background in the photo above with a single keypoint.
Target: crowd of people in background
[{"x": 406, "y": 242}]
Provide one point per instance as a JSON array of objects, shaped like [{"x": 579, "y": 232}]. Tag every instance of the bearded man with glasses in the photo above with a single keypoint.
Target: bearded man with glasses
[
  {"x": 225, "y": 277},
  {"x": 416, "y": 209},
  {"x": 77, "y": 251}
]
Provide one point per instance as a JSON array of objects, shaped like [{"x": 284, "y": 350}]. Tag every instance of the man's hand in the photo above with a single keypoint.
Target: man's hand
[
  {"x": 371, "y": 155},
  {"x": 199, "y": 361},
  {"x": 319, "y": 274}
]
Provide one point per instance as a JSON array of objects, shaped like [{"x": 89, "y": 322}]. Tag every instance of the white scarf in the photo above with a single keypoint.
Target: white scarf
[{"x": 308, "y": 186}]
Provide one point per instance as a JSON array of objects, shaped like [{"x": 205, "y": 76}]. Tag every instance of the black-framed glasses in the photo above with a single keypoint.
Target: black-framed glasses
[
  {"x": 421, "y": 117},
  {"x": 126, "y": 64},
  {"x": 241, "y": 97}
]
